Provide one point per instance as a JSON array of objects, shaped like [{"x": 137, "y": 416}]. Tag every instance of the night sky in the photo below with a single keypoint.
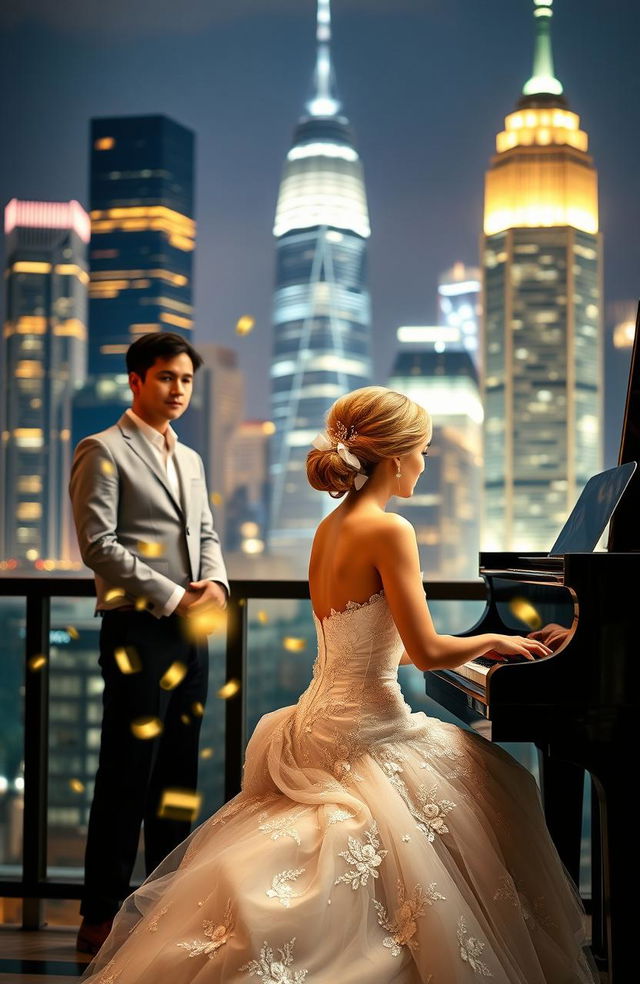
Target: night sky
[{"x": 425, "y": 83}]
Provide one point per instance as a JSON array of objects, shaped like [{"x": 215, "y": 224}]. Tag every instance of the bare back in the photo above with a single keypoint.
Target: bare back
[{"x": 341, "y": 566}]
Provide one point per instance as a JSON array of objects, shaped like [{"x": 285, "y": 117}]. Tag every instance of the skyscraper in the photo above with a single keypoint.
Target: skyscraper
[
  {"x": 459, "y": 305},
  {"x": 141, "y": 253},
  {"x": 221, "y": 387},
  {"x": 434, "y": 368},
  {"x": 543, "y": 345},
  {"x": 321, "y": 314},
  {"x": 43, "y": 359},
  {"x": 142, "y": 234}
]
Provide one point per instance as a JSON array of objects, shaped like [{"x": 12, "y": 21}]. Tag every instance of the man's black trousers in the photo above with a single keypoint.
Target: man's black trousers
[{"x": 134, "y": 772}]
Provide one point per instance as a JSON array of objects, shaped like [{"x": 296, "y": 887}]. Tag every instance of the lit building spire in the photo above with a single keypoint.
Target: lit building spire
[
  {"x": 543, "y": 80},
  {"x": 324, "y": 101}
]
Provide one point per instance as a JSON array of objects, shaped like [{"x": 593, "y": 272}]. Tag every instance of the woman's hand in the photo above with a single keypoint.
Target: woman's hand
[
  {"x": 552, "y": 635},
  {"x": 508, "y": 645}
]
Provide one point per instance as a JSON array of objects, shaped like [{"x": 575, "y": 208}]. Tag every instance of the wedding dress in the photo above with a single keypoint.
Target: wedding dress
[{"x": 369, "y": 845}]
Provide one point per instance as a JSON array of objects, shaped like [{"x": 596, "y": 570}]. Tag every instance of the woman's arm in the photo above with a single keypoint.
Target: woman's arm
[{"x": 395, "y": 555}]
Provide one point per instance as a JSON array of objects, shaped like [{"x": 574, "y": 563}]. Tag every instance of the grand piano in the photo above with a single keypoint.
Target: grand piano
[{"x": 578, "y": 705}]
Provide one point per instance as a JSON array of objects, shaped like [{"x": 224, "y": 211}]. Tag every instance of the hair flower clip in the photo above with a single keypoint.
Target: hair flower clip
[{"x": 323, "y": 442}]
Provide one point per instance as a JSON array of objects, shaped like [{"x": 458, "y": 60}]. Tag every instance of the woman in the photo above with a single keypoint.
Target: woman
[{"x": 369, "y": 844}]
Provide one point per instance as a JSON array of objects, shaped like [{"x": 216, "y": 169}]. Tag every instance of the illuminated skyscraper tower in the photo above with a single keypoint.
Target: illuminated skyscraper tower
[
  {"x": 141, "y": 254},
  {"x": 321, "y": 303},
  {"x": 42, "y": 360},
  {"x": 543, "y": 364},
  {"x": 142, "y": 234}
]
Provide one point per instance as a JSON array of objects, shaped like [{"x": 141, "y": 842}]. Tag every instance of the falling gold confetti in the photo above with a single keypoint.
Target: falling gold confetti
[
  {"x": 173, "y": 676},
  {"x": 215, "y": 499},
  {"x": 76, "y": 785},
  {"x": 197, "y": 709},
  {"x": 73, "y": 632},
  {"x": 141, "y": 604},
  {"x": 263, "y": 618},
  {"x": 206, "y": 753},
  {"x": 229, "y": 689},
  {"x": 146, "y": 727},
  {"x": 114, "y": 594},
  {"x": 107, "y": 467},
  {"x": 293, "y": 644},
  {"x": 245, "y": 324},
  {"x": 204, "y": 621},
  {"x": 37, "y": 662},
  {"x": 185, "y": 719},
  {"x": 525, "y": 611},
  {"x": 127, "y": 659},
  {"x": 149, "y": 548},
  {"x": 179, "y": 804}
]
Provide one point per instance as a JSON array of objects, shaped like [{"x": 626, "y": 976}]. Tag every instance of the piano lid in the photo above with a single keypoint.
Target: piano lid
[{"x": 624, "y": 530}]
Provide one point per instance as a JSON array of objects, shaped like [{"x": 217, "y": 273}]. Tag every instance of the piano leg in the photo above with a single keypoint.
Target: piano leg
[
  {"x": 618, "y": 825},
  {"x": 598, "y": 923},
  {"x": 562, "y": 785}
]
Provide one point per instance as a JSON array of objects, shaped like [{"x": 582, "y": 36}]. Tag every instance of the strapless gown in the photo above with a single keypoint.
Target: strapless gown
[{"x": 369, "y": 845}]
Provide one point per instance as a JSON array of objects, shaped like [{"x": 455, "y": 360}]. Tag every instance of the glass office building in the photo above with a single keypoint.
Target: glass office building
[
  {"x": 42, "y": 360},
  {"x": 141, "y": 253},
  {"x": 321, "y": 316},
  {"x": 543, "y": 337}
]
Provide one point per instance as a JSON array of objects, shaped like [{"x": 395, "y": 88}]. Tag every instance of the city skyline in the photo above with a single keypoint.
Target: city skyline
[{"x": 425, "y": 144}]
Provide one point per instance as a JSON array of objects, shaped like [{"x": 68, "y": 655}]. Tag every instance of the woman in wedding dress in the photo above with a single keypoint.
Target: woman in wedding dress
[{"x": 369, "y": 844}]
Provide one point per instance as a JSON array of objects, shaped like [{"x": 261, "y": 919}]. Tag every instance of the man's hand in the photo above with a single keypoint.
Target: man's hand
[
  {"x": 208, "y": 593},
  {"x": 188, "y": 599}
]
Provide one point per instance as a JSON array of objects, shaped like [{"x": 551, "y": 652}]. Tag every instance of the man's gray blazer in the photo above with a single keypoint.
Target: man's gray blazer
[{"x": 132, "y": 532}]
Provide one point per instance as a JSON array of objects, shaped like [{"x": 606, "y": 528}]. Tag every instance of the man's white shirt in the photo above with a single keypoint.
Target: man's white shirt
[{"x": 163, "y": 446}]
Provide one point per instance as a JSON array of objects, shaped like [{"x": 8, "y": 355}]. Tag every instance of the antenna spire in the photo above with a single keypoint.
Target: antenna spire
[
  {"x": 543, "y": 80},
  {"x": 324, "y": 101}
]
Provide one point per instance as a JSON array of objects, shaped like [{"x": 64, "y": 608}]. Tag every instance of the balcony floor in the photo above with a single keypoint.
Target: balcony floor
[{"x": 50, "y": 955}]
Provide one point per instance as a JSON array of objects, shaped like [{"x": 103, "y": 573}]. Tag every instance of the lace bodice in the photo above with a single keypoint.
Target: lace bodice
[
  {"x": 359, "y": 642},
  {"x": 354, "y": 699}
]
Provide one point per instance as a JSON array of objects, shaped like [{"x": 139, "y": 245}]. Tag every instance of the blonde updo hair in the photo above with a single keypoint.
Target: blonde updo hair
[{"x": 374, "y": 423}]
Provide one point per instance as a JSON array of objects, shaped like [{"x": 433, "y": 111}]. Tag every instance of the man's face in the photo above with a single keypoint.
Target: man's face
[{"x": 165, "y": 392}]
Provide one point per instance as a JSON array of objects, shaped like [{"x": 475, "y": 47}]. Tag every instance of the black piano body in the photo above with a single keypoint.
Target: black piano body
[{"x": 576, "y": 705}]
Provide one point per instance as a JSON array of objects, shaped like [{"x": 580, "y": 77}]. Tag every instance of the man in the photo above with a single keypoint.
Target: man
[{"x": 144, "y": 527}]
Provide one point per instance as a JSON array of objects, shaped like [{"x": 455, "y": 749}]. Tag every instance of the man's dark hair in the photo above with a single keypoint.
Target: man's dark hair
[{"x": 142, "y": 354}]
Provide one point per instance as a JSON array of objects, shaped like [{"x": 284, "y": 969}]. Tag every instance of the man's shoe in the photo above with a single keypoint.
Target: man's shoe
[{"x": 91, "y": 936}]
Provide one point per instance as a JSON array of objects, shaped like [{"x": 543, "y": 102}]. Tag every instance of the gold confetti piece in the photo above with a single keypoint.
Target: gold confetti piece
[
  {"x": 294, "y": 645},
  {"x": 141, "y": 604},
  {"x": 245, "y": 324},
  {"x": 203, "y": 622},
  {"x": 206, "y": 753},
  {"x": 263, "y": 618},
  {"x": 229, "y": 689},
  {"x": 149, "y": 548},
  {"x": 76, "y": 785},
  {"x": 146, "y": 727},
  {"x": 197, "y": 709},
  {"x": 73, "y": 632},
  {"x": 37, "y": 662},
  {"x": 107, "y": 467},
  {"x": 127, "y": 659},
  {"x": 185, "y": 719},
  {"x": 215, "y": 499},
  {"x": 525, "y": 611},
  {"x": 114, "y": 594},
  {"x": 179, "y": 804},
  {"x": 173, "y": 676},
  {"x": 268, "y": 427}
]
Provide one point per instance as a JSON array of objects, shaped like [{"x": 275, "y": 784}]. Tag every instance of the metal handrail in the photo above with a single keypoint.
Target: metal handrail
[{"x": 34, "y": 886}]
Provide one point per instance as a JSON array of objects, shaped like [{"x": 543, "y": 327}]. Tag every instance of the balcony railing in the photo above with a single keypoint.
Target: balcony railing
[{"x": 34, "y": 886}]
